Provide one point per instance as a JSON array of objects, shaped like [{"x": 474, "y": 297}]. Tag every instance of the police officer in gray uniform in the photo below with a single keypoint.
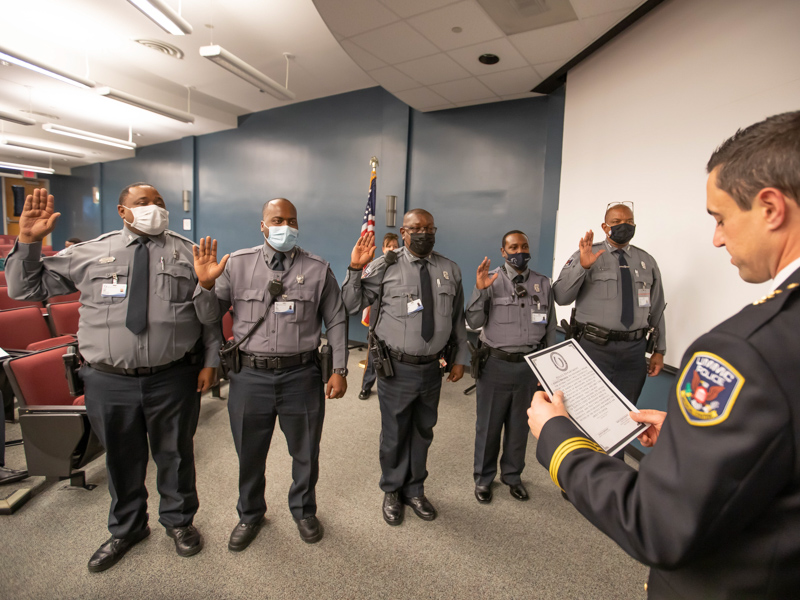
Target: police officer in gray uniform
[
  {"x": 280, "y": 376},
  {"x": 515, "y": 308},
  {"x": 421, "y": 311},
  {"x": 147, "y": 355},
  {"x": 617, "y": 288}
]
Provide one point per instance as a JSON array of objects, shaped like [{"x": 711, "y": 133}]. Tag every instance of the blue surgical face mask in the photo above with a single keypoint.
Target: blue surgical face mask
[{"x": 282, "y": 237}]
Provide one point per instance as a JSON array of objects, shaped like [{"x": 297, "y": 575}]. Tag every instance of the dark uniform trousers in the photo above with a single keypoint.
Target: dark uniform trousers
[
  {"x": 504, "y": 392},
  {"x": 623, "y": 363},
  {"x": 124, "y": 412},
  {"x": 369, "y": 374},
  {"x": 296, "y": 397},
  {"x": 409, "y": 404}
]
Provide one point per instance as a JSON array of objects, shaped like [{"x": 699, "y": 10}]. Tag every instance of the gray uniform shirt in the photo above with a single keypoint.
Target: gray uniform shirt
[
  {"x": 309, "y": 289},
  {"x": 598, "y": 290},
  {"x": 173, "y": 323},
  {"x": 399, "y": 329},
  {"x": 511, "y": 323}
]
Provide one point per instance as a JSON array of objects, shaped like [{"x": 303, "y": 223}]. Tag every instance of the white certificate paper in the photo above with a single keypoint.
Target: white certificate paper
[{"x": 593, "y": 403}]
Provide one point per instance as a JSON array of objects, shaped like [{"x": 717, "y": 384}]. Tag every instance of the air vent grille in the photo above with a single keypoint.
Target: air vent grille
[{"x": 162, "y": 47}]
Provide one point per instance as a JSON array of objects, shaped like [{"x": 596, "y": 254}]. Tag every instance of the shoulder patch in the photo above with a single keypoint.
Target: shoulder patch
[
  {"x": 569, "y": 262},
  {"x": 367, "y": 271},
  {"x": 707, "y": 389}
]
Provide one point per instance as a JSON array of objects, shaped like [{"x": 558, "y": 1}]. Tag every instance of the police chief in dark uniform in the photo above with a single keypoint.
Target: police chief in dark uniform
[
  {"x": 714, "y": 509},
  {"x": 147, "y": 355},
  {"x": 421, "y": 311},
  {"x": 280, "y": 378},
  {"x": 616, "y": 287},
  {"x": 514, "y": 307}
]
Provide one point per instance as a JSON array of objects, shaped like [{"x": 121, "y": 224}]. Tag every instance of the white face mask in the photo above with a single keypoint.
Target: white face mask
[{"x": 150, "y": 219}]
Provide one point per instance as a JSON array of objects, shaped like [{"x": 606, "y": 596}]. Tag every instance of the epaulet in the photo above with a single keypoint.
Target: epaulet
[
  {"x": 246, "y": 251},
  {"x": 101, "y": 237},
  {"x": 751, "y": 318},
  {"x": 496, "y": 269},
  {"x": 537, "y": 274},
  {"x": 179, "y": 236},
  {"x": 645, "y": 252},
  {"x": 308, "y": 254}
]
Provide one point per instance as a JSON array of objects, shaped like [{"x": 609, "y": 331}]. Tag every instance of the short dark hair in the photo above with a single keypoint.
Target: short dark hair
[
  {"x": 124, "y": 193},
  {"x": 389, "y": 237},
  {"x": 766, "y": 154},
  {"x": 512, "y": 232}
]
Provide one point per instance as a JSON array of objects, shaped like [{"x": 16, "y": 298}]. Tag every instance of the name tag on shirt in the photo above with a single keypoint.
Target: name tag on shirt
[
  {"x": 114, "y": 290},
  {"x": 538, "y": 316},
  {"x": 644, "y": 297},
  {"x": 284, "y": 308},
  {"x": 414, "y": 306}
]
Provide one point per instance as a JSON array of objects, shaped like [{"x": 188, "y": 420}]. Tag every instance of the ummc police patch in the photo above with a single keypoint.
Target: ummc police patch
[{"x": 707, "y": 389}]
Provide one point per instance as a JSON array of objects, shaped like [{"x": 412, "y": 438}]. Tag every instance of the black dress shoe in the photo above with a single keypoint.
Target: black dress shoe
[
  {"x": 188, "y": 540},
  {"x": 310, "y": 529},
  {"x": 11, "y": 475},
  {"x": 564, "y": 495},
  {"x": 483, "y": 493},
  {"x": 364, "y": 394},
  {"x": 243, "y": 534},
  {"x": 393, "y": 509},
  {"x": 518, "y": 491},
  {"x": 422, "y": 506},
  {"x": 113, "y": 550}
]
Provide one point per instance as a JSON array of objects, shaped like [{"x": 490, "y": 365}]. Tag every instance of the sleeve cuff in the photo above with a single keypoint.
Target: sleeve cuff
[
  {"x": 28, "y": 252},
  {"x": 559, "y": 438}
]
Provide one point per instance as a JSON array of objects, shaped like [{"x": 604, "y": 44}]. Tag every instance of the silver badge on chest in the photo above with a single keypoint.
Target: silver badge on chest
[{"x": 300, "y": 279}]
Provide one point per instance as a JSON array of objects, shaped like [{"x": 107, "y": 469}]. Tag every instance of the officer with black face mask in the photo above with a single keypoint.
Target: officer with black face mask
[
  {"x": 514, "y": 307},
  {"x": 421, "y": 311},
  {"x": 617, "y": 292}
]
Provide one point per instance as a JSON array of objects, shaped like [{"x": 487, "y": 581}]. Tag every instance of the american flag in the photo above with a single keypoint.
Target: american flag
[{"x": 368, "y": 223}]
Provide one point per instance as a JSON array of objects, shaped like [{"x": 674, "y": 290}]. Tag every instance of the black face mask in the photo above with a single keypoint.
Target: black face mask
[
  {"x": 518, "y": 260},
  {"x": 622, "y": 233},
  {"x": 422, "y": 244}
]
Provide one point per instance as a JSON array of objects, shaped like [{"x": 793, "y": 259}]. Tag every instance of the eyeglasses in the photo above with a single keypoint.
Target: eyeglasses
[{"x": 421, "y": 229}]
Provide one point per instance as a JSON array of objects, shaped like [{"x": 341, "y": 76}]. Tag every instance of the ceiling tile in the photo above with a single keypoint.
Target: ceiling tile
[
  {"x": 547, "y": 69},
  {"x": 510, "y": 58},
  {"x": 421, "y": 98},
  {"x": 351, "y": 17},
  {"x": 592, "y": 8},
  {"x": 475, "y": 25},
  {"x": 396, "y": 43},
  {"x": 516, "y": 81},
  {"x": 363, "y": 59},
  {"x": 393, "y": 80},
  {"x": 597, "y": 26},
  {"x": 463, "y": 90},
  {"x": 434, "y": 69},
  {"x": 407, "y": 8},
  {"x": 559, "y": 42}
]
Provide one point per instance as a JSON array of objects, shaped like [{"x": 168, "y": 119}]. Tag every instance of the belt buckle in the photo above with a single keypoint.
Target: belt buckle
[
  {"x": 273, "y": 362},
  {"x": 260, "y": 363}
]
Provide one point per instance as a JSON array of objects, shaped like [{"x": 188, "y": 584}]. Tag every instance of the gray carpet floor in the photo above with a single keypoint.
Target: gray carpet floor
[{"x": 507, "y": 549}]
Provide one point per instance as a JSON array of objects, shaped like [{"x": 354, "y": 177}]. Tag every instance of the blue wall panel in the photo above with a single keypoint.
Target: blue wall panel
[{"x": 80, "y": 216}]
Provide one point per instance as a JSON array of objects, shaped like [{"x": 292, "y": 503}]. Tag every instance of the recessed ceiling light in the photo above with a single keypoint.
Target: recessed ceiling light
[{"x": 489, "y": 59}]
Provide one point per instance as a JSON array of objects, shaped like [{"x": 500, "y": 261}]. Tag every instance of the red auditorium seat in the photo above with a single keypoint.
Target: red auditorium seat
[
  {"x": 64, "y": 317},
  {"x": 227, "y": 325},
  {"x": 5, "y": 249},
  {"x": 2, "y": 278},
  {"x": 51, "y": 343},
  {"x": 7, "y": 302},
  {"x": 65, "y": 298},
  {"x": 21, "y": 327}
]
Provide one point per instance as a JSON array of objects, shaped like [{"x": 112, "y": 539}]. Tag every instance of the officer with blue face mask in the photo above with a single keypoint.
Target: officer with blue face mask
[{"x": 280, "y": 295}]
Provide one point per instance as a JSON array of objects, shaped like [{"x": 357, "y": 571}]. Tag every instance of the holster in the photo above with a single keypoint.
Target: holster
[
  {"x": 72, "y": 364},
  {"x": 230, "y": 359},
  {"x": 449, "y": 355},
  {"x": 326, "y": 362},
  {"x": 381, "y": 361},
  {"x": 571, "y": 329},
  {"x": 595, "y": 334},
  {"x": 478, "y": 361}
]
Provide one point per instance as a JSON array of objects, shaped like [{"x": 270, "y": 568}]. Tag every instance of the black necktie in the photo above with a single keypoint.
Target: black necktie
[
  {"x": 627, "y": 290},
  {"x": 139, "y": 284},
  {"x": 276, "y": 264},
  {"x": 426, "y": 295},
  {"x": 517, "y": 279}
]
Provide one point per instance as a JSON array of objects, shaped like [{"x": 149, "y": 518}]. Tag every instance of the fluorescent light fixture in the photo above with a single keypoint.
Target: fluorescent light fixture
[
  {"x": 163, "y": 16},
  {"x": 88, "y": 136},
  {"x": 29, "y": 63},
  {"x": 15, "y": 166},
  {"x": 159, "y": 109},
  {"x": 38, "y": 148},
  {"x": 14, "y": 118},
  {"x": 238, "y": 67}
]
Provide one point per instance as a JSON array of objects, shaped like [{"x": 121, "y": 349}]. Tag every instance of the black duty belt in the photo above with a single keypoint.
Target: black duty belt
[
  {"x": 514, "y": 357},
  {"x": 410, "y": 359},
  {"x": 617, "y": 336},
  {"x": 266, "y": 363},
  {"x": 144, "y": 371}
]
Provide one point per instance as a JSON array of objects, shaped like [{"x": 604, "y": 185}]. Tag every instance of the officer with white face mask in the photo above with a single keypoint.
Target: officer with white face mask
[{"x": 147, "y": 355}]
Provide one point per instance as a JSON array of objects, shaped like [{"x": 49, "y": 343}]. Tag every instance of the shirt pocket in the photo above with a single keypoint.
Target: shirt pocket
[
  {"x": 643, "y": 278},
  {"x": 174, "y": 283},
  {"x": 504, "y": 310},
  {"x": 444, "y": 299},
  {"x": 102, "y": 274},
  {"x": 604, "y": 282},
  {"x": 248, "y": 305},
  {"x": 303, "y": 305},
  {"x": 399, "y": 297}
]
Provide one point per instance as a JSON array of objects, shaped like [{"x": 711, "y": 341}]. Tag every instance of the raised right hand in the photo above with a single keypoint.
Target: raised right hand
[
  {"x": 37, "y": 220},
  {"x": 363, "y": 251},
  {"x": 205, "y": 262},
  {"x": 483, "y": 279},
  {"x": 585, "y": 245}
]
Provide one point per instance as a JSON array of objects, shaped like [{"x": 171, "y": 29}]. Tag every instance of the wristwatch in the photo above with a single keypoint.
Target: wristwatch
[{"x": 342, "y": 372}]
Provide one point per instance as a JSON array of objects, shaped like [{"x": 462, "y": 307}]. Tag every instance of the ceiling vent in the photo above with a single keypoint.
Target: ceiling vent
[
  {"x": 162, "y": 47},
  {"x": 517, "y": 16}
]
